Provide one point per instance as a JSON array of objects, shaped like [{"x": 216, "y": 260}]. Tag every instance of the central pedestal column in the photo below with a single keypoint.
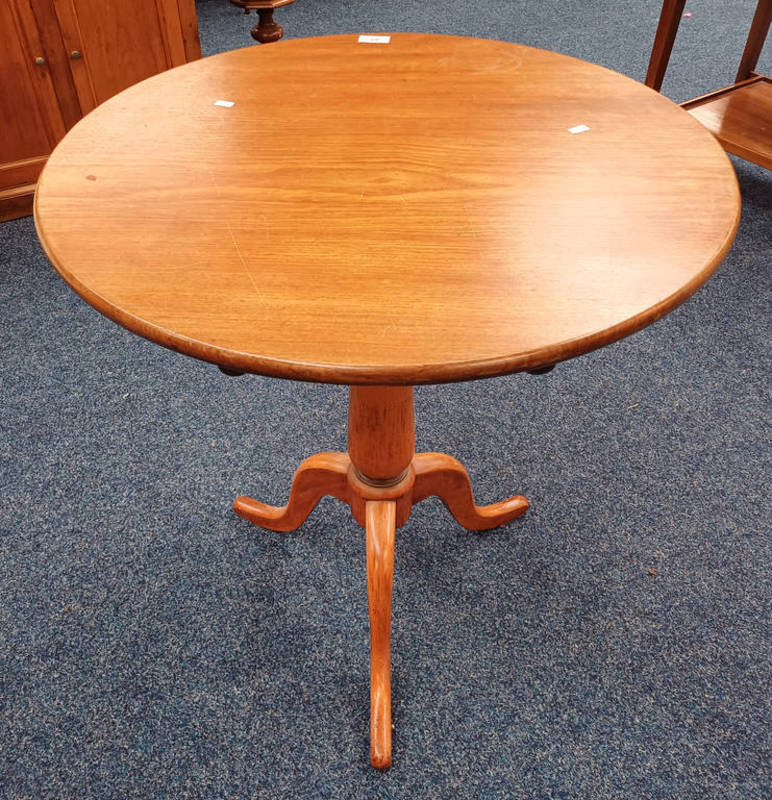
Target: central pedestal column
[{"x": 381, "y": 432}]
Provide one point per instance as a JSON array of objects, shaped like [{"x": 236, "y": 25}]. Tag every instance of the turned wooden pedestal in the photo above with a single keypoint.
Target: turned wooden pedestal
[
  {"x": 267, "y": 29},
  {"x": 381, "y": 477}
]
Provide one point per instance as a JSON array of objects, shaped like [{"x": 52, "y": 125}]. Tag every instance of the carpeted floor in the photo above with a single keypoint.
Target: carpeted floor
[{"x": 153, "y": 645}]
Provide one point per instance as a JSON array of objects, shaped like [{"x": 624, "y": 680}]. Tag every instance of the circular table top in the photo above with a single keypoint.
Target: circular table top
[{"x": 408, "y": 212}]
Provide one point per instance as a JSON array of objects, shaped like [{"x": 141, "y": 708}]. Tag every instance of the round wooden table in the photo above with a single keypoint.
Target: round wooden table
[{"x": 383, "y": 214}]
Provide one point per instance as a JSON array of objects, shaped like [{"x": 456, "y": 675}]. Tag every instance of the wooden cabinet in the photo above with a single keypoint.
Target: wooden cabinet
[
  {"x": 61, "y": 58},
  {"x": 30, "y": 119}
]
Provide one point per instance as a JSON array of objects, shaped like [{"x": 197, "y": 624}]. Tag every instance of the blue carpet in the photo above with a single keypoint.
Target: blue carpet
[{"x": 613, "y": 643}]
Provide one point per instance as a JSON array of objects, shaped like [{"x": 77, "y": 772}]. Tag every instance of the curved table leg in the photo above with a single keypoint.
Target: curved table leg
[
  {"x": 381, "y": 519},
  {"x": 444, "y": 476},
  {"x": 319, "y": 475},
  {"x": 380, "y": 478}
]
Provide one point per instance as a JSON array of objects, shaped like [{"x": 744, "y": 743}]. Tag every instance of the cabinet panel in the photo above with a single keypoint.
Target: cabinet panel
[
  {"x": 30, "y": 121},
  {"x": 58, "y": 58},
  {"x": 118, "y": 44},
  {"x": 189, "y": 26}
]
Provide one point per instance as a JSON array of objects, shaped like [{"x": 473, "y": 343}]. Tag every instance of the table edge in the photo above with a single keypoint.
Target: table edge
[
  {"x": 396, "y": 375},
  {"x": 390, "y": 374}
]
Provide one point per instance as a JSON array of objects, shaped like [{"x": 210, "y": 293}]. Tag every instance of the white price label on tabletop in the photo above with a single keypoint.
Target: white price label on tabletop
[{"x": 374, "y": 39}]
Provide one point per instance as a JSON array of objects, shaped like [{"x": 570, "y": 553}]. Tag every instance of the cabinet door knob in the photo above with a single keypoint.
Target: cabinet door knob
[
  {"x": 76, "y": 54},
  {"x": 40, "y": 61}
]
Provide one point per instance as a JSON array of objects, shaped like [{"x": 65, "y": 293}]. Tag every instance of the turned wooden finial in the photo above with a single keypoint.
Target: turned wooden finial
[{"x": 267, "y": 29}]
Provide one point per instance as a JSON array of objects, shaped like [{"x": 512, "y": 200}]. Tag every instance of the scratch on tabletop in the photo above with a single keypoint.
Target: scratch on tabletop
[
  {"x": 244, "y": 263},
  {"x": 259, "y": 294}
]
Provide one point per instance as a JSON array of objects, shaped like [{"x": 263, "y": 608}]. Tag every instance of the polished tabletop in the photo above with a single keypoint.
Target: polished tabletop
[{"x": 426, "y": 209}]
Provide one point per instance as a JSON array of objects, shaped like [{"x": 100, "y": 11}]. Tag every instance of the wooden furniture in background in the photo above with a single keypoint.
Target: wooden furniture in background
[
  {"x": 739, "y": 115},
  {"x": 61, "y": 58},
  {"x": 427, "y": 215},
  {"x": 267, "y": 29},
  {"x": 31, "y": 121}
]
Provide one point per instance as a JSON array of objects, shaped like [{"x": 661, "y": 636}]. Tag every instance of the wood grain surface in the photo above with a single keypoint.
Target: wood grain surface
[
  {"x": 381, "y": 431},
  {"x": 401, "y": 213},
  {"x": 380, "y": 574},
  {"x": 738, "y": 117}
]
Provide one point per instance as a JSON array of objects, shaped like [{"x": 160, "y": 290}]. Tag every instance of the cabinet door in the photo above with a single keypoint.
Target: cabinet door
[
  {"x": 30, "y": 120},
  {"x": 114, "y": 44}
]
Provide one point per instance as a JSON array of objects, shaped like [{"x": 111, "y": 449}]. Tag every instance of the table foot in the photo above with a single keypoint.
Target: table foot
[
  {"x": 445, "y": 477},
  {"x": 321, "y": 474},
  {"x": 380, "y": 526}
]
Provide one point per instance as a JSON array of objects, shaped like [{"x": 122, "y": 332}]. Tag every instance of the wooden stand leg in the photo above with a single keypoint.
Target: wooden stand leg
[
  {"x": 444, "y": 476},
  {"x": 380, "y": 528},
  {"x": 380, "y": 477},
  {"x": 321, "y": 474},
  {"x": 669, "y": 19},
  {"x": 755, "y": 42},
  {"x": 381, "y": 444},
  {"x": 267, "y": 29}
]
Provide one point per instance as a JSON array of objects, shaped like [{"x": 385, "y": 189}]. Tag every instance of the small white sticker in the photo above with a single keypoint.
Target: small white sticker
[
  {"x": 224, "y": 103},
  {"x": 374, "y": 39},
  {"x": 578, "y": 129}
]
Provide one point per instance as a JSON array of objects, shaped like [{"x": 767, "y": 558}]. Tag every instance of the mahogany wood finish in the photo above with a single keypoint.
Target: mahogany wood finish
[
  {"x": 664, "y": 38},
  {"x": 267, "y": 29},
  {"x": 16, "y": 202},
  {"x": 30, "y": 119},
  {"x": 735, "y": 116},
  {"x": 426, "y": 215},
  {"x": 757, "y": 36},
  {"x": 738, "y": 115},
  {"x": 62, "y": 57},
  {"x": 58, "y": 59}
]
